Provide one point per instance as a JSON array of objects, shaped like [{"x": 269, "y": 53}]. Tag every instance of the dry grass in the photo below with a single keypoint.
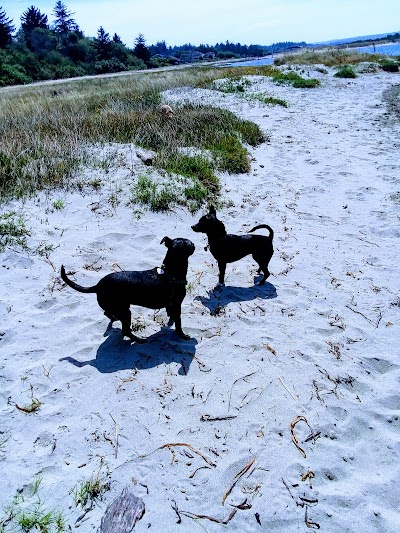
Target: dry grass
[
  {"x": 331, "y": 57},
  {"x": 47, "y": 132}
]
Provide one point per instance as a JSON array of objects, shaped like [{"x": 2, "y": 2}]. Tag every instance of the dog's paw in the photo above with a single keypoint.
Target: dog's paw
[
  {"x": 139, "y": 340},
  {"x": 183, "y": 336}
]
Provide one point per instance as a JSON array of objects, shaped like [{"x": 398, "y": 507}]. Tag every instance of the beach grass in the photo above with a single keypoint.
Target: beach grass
[
  {"x": 13, "y": 230},
  {"x": 48, "y": 132},
  {"x": 331, "y": 57},
  {"x": 346, "y": 71}
]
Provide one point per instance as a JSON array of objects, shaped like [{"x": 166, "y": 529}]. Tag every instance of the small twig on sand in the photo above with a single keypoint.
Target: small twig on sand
[
  {"x": 116, "y": 435},
  {"x": 285, "y": 386},
  {"x": 174, "y": 444},
  {"x": 245, "y": 469},
  {"x": 376, "y": 324},
  {"x": 223, "y": 521},
  {"x": 209, "y": 418},
  {"x": 234, "y": 383},
  {"x": 309, "y": 523},
  {"x": 197, "y": 469}
]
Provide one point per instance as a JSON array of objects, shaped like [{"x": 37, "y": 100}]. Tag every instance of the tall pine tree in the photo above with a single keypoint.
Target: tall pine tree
[
  {"x": 32, "y": 18},
  {"x": 6, "y": 29},
  {"x": 63, "y": 22},
  {"x": 102, "y": 44},
  {"x": 141, "y": 51}
]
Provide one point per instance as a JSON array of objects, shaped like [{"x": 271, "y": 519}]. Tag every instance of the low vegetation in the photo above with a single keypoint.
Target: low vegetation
[
  {"x": 48, "y": 133},
  {"x": 27, "y": 512},
  {"x": 13, "y": 230},
  {"x": 332, "y": 57},
  {"x": 86, "y": 493},
  {"x": 345, "y": 72}
]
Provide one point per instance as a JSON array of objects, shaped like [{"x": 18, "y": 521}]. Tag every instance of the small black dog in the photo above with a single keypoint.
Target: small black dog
[
  {"x": 156, "y": 288},
  {"x": 228, "y": 248}
]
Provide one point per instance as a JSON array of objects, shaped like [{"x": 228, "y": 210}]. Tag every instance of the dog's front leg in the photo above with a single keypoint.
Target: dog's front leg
[
  {"x": 176, "y": 317},
  {"x": 222, "y": 268}
]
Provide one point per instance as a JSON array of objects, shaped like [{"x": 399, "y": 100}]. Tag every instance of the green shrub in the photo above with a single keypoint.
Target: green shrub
[
  {"x": 13, "y": 75},
  {"x": 295, "y": 80},
  {"x": 231, "y": 155},
  {"x": 12, "y": 230},
  {"x": 157, "y": 196},
  {"x": 345, "y": 72},
  {"x": 196, "y": 167},
  {"x": 271, "y": 100},
  {"x": 235, "y": 84},
  {"x": 389, "y": 66}
]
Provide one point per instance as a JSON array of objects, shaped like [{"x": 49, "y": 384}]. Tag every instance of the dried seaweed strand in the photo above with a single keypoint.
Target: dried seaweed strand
[
  {"x": 197, "y": 469},
  {"x": 245, "y": 469},
  {"x": 294, "y": 436},
  {"x": 211, "y": 518},
  {"x": 234, "y": 383},
  {"x": 173, "y": 444}
]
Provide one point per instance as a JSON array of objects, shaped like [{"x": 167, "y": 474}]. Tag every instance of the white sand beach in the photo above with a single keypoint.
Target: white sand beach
[{"x": 319, "y": 341}]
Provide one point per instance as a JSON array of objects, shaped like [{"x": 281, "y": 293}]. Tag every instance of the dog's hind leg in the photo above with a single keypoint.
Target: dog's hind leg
[
  {"x": 262, "y": 267},
  {"x": 125, "y": 317},
  {"x": 110, "y": 316}
]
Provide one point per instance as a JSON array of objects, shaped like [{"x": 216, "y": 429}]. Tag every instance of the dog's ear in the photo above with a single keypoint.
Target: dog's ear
[
  {"x": 212, "y": 210},
  {"x": 167, "y": 241}
]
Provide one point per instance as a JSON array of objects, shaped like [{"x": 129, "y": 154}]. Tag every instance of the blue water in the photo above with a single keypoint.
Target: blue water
[
  {"x": 252, "y": 62},
  {"x": 386, "y": 49}
]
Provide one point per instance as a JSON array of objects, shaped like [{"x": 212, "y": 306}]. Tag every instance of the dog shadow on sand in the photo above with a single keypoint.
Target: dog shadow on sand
[
  {"x": 163, "y": 347},
  {"x": 218, "y": 298}
]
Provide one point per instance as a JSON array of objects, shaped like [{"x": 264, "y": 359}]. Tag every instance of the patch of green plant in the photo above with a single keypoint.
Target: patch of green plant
[
  {"x": 13, "y": 230},
  {"x": 295, "y": 80},
  {"x": 157, "y": 196},
  {"x": 197, "y": 167},
  {"x": 28, "y": 513},
  {"x": 58, "y": 204},
  {"x": 38, "y": 519},
  {"x": 321, "y": 70},
  {"x": 345, "y": 72},
  {"x": 389, "y": 66},
  {"x": 231, "y": 155},
  {"x": 271, "y": 100},
  {"x": 234, "y": 84},
  {"x": 87, "y": 492}
]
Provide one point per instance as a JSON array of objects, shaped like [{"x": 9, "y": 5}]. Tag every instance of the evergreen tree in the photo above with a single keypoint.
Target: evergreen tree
[
  {"x": 117, "y": 39},
  {"x": 63, "y": 22},
  {"x": 141, "y": 51},
  {"x": 6, "y": 29},
  {"x": 102, "y": 44},
  {"x": 32, "y": 18}
]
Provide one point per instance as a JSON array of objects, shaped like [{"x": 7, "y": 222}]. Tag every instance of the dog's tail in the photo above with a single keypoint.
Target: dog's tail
[
  {"x": 74, "y": 285},
  {"x": 271, "y": 231}
]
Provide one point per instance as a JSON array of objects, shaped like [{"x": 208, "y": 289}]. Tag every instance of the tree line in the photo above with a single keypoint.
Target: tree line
[{"x": 40, "y": 50}]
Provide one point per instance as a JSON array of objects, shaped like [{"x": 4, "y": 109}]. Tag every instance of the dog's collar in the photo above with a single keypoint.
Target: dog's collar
[{"x": 161, "y": 272}]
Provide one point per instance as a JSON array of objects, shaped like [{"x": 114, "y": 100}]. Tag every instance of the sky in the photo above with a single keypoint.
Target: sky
[{"x": 211, "y": 21}]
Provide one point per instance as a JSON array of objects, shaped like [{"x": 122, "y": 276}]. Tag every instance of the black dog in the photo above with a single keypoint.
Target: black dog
[
  {"x": 228, "y": 248},
  {"x": 156, "y": 288}
]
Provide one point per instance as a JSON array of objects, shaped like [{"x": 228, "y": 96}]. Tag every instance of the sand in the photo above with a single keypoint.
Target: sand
[{"x": 313, "y": 355}]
